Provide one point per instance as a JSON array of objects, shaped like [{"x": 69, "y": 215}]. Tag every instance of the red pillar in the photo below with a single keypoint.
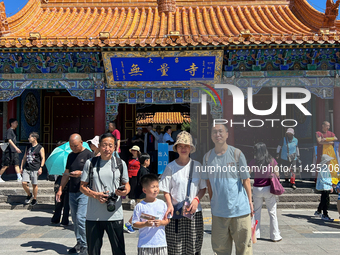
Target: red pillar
[
  {"x": 336, "y": 112},
  {"x": 320, "y": 112},
  {"x": 11, "y": 110},
  {"x": 228, "y": 115},
  {"x": 99, "y": 113}
]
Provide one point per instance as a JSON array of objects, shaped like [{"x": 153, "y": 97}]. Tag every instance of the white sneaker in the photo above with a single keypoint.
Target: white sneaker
[
  {"x": 19, "y": 179},
  {"x": 1, "y": 180}
]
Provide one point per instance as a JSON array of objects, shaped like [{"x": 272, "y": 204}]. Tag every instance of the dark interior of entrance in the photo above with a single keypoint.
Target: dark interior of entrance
[
  {"x": 132, "y": 116},
  {"x": 63, "y": 115}
]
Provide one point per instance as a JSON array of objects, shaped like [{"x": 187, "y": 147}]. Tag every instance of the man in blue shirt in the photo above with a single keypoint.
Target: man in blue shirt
[{"x": 225, "y": 169}]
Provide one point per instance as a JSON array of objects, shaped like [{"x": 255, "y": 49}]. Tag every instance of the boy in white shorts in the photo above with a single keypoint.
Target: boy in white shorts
[
  {"x": 31, "y": 167},
  {"x": 148, "y": 216}
]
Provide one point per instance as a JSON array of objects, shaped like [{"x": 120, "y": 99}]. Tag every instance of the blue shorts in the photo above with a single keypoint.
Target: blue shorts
[{"x": 339, "y": 196}]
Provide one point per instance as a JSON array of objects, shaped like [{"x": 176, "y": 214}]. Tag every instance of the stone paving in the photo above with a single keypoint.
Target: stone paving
[{"x": 27, "y": 232}]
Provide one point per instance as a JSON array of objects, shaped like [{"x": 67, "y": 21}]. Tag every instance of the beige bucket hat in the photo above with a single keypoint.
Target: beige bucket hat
[
  {"x": 134, "y": 148},
  {"x": 184, "y": 138}
]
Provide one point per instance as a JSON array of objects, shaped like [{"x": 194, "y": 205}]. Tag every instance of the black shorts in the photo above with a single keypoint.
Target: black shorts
[{"x": 10, "y": 158}]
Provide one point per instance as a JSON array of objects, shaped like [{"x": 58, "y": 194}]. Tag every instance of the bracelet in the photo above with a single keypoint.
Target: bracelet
[{"x": 197, "y": 199}]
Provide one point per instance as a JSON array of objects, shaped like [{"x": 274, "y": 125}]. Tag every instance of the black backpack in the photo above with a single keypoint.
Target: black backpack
[{"x": 94, "y": 161}]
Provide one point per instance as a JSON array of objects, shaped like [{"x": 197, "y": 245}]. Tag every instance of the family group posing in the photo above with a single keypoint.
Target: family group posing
[
  {"x": 176, "y": 225},
  {"x": 98, "y": 180},
  {"x": 97, "y": 185}
]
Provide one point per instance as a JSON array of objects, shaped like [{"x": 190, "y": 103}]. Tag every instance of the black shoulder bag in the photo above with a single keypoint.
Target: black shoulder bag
[{"x": 178, "y": 209}]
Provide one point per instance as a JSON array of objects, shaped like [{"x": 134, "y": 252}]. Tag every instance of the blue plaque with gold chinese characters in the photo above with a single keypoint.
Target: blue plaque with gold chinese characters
[
  {"x": 136, "y": 69},
  {"x": 163, "y": 69}
]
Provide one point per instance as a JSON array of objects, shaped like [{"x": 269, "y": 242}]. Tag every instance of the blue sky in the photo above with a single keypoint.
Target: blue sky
[{"x": 13, "y": 6}]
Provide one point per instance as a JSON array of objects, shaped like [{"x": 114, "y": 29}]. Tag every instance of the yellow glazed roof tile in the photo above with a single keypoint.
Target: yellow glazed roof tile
[{"x": 139, "y": 22}]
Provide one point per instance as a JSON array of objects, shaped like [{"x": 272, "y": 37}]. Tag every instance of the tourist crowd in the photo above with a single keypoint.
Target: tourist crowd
[{"x": 95, "y": 182}]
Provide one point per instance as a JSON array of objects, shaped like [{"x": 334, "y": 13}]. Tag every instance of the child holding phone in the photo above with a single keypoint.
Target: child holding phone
[{"x": 148, "y": 216}]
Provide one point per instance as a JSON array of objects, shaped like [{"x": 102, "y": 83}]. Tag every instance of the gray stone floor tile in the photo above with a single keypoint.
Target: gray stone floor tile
[
  {"x": 12, "y": 233},
  {"x": 31, "y": 232}
]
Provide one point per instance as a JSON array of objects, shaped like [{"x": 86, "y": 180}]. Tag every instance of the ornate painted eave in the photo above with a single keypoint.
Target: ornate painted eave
[
  {"x": 80, "y": 85},
  {"x": 60, "y": 23}
]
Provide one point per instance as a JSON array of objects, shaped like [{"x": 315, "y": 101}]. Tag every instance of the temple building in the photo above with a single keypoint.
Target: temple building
[{"x": 72, "y": 66}]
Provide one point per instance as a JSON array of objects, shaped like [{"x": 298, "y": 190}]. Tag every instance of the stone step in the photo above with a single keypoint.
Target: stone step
[
  {"x": 20, "y": 199},
  {"x": 299, "y": 190},
  {"x": 49, "y": 205},
  {"x": 21, "y": 206},
  {"x": 15, "y": 184},
  {"x": 18, "y": 190},
  {"x": 304, "y": 198},
  {"x": 6, "y": 191},
  {"x": 302, "y": 205},
  {"x": 49, "y": 198},
  {"x": 12, "y": 196},
  {"x": 302, "y": 186},
  {"x": 288, "y": 205},
  {"x": 205, "y": 205},
  {"x": 126, "y": 207}
]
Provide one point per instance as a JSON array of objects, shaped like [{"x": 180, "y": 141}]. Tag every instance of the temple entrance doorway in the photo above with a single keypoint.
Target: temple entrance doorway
[{"x": 63, "y": 115}]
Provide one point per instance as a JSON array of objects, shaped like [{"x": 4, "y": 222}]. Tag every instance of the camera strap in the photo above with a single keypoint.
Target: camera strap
[
  {"x": 190, "y": 178},
  {"x": 113, "y": 169}
]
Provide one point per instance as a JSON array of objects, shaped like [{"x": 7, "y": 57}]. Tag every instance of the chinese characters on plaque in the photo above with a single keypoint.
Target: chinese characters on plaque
[{"x": 163, "y": 68}]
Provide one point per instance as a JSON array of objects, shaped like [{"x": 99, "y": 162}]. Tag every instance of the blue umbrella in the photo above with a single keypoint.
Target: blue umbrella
[{"x": 56, "y": 162}]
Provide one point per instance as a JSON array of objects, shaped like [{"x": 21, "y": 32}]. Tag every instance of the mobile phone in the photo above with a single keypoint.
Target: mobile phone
[
  {"x": 121, "y": 188},
  {"x": 185, "y": 211}
]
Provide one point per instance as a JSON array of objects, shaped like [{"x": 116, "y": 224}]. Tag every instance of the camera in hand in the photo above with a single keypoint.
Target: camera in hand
[{"x": 111, "y": 202}]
